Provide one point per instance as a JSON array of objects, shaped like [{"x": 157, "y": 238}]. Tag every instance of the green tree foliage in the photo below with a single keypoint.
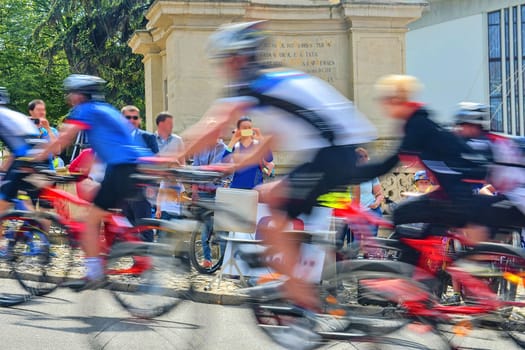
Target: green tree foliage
[
  {"x": 43, "y": 41},
  {"x": 93, "y": 36},
  {"x": 23, "y": 71}
]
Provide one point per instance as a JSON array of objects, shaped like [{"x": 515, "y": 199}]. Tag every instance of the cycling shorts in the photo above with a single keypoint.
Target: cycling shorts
[
  {"x": 331, "y": 168},
  {"x": 117, "y": 186}
]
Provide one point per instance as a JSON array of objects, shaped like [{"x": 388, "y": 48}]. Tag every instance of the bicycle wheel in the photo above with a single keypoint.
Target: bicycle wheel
[
  {"x": 491, "y": 262},
  {"x": 39, "y": 260},
  {"x": 206, "y": 255},
  {"x": 342, "y": 316},
  {"x": 148, "y": 279}
]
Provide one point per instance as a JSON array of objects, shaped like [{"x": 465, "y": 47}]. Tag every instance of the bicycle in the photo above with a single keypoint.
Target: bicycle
[
  {"x": 402, "y": 287},
  {"x": 148, "y": 279},
  {"x": 401, "y": 294},
  {"x": 199, "y": 211}
]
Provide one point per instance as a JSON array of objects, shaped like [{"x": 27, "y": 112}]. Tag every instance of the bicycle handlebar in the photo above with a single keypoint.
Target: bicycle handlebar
[{"x": 188, "y": 174}]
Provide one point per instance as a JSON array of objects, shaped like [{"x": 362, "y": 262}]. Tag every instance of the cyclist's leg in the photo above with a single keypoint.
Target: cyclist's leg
[
  {"x": 10, "y": 185},
  {"x": 428, "y": 209},
  {"x": 117, "y": 184},
  {"x": 90, "y": 243},
  {"x": 496, "y": 211},
  {"x": 296, "y": 195},
  {"x": 140, "y": 208}
]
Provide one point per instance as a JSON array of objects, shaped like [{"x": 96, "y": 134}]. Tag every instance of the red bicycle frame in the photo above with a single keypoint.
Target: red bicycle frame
[{"x": 115, "y": 227}]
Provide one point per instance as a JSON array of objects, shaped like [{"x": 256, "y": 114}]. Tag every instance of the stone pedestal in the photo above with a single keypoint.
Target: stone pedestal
[{"x": 348, "y": 43}]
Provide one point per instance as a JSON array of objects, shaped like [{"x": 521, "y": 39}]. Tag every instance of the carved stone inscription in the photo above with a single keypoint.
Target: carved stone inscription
[{"x": 314, "y": 56}]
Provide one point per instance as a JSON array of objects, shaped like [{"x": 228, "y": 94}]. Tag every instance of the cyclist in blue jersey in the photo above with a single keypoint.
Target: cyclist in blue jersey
[
  {"x": 296, "y": 112},
  {"x": 20, "y": 135},
  {"x": 110, "y": 137}
]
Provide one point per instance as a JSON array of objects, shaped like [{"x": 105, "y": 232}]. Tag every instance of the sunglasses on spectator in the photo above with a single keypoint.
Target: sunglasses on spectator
[{"x": 134, "y": 117}]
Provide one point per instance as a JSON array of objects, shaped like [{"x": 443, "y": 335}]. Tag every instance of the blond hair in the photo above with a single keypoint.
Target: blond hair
[{"x": 402, "y": 87}]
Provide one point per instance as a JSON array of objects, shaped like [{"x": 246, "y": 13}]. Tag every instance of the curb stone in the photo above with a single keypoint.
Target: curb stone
[{"x": 200, "y": 282}]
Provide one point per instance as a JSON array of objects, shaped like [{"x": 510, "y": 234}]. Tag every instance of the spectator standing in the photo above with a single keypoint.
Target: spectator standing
[
  {"x": 170, "y": 194},
  {"x": 209, "y": 156},
  {"x": 139, "y": 207},
  {"x": 140, "y": 137},
  {"x": 370, "y": 195},
  {"x": 38, "y": 113},
  {"x": 167, "y": 141},
  {"x": 370, "y": 192},
  {"x": 244, "y": 139}
]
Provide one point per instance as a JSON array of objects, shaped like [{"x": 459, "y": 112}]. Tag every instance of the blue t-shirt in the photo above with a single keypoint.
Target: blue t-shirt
[
  {"x": 109, "y": 133},
  {"x": 45, "y": 135},
  {"x": 248, "y": 177},
  {"x": 367, "y": 192}
]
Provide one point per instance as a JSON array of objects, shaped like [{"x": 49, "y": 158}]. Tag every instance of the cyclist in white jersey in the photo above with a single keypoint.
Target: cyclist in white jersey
[
  {"x": 20, "y": 135},
  {"x": 296, "y": 112}
]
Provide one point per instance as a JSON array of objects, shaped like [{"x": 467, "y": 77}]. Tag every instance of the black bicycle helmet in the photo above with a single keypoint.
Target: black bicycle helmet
[{"x": 88, "y": 85}]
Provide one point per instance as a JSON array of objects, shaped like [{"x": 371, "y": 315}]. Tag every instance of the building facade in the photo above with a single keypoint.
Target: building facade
[{"x": 465, "y": 50}]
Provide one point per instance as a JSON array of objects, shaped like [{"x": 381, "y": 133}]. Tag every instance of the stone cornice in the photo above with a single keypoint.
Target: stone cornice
[
  {"x": 161, "y": 13},
  {"x": 381, "y": 14},
  {"x": 142, "y": 43},
  {"x": 423, "y": 3}
]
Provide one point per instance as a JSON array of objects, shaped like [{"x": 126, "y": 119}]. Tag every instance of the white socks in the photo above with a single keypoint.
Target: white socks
[{"x": 95, "y": 269}]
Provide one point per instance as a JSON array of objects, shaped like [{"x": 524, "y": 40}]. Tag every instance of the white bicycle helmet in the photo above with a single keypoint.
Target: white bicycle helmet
[
  {"x": 245, "y": 38},
  {"x": 473, "y": 113}
]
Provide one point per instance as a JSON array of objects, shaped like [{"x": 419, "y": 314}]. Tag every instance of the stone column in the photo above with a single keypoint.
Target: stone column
[
  {"x": 377, "y": 45},
  {"x": 142, "y": 43},
  {"x": 153, "y": 88}
]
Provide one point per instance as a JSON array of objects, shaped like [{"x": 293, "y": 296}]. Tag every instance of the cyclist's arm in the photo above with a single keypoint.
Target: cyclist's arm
[
  {"x": 205, "y": 133},
  {"x": 64, "y": 139},
  {"x": 371, "y": 170},
  {"x": 7, "y": 163}
]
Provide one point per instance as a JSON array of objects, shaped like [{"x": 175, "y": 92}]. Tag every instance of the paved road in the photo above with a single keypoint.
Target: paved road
[{"x": 92, "y": 320}]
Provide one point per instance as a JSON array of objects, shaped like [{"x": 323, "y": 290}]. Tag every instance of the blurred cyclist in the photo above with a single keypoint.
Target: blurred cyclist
[
  {"x": 472, "y": 122},
  {"x": 448, "y": 157},
  {"x": 20, "y": 135},
  {"x": 296, "y": 112},
  {"x": 110, "y": 137},
  {"x": 452, "y": 161}
]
